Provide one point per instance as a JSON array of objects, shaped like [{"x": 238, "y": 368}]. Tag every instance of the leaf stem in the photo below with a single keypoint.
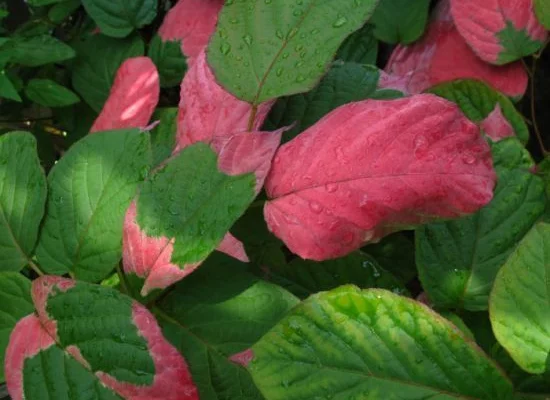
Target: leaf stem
[
  {"x": 253, "y": 113},
  {"x": 35, "y": 268},
  {"x": 123, "y": 283}
]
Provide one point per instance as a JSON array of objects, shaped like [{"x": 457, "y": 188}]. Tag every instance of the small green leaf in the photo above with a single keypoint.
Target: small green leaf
[
  {"x": 542, "y": 9},
  {"x": 98, "y": 60},
  {"x": 40, "y": 3},
  {"x": 39, "y": 50},
  {"x": 118, "y": 19},
  {"x": 169, "y": 59},
  {"x": 59, "y": 12},
  {"x": 477, "y": 100},
  {"x": 190, "y": 200},
  {"x": 516, "y": 43},
  {"x": 371, "y": 344},
  {"x": 221, "y": 297},
  {"x": 267, "y": 49},
  {"x": 163, "y": 136},
  {"x": 15, "y": 303},
  {"x": 304, "y": 278},
  {"x": 22, "y": 199},
  {"x": 360, "y": 47},
  {"x": 400, "y": 21},
  {"x": 50, "y": 94},
  {"x": 458, "y": 260},
  {"x": 91, "y": 188},
  {"x": 344, "y": 83},
  {"x": 7, "y": 90},
  {"x": 520, "y": 302}
]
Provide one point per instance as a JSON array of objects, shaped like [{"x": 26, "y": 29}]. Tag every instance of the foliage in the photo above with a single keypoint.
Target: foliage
[{"x": 366, "y": 167}]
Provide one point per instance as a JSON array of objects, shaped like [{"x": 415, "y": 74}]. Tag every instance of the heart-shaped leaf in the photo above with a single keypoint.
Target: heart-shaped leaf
[
  {"x": 169, "y": 60},
  {"x": 95, "y": 334},
  {"x": 520, "y": 300},
  {"x": 94, "y": 184},
  {"x": 349, "y": 343},
  {"x": 49, "y": 93},
  {"x": 373, "y": 167},
  {"x": 221, "y": 297},
  {"x": 400, "y": 21},
  {"x": 458, "y": 260},
  {"x": 35, "y": 51},
  {"x": 360, "y": 47},
  {"x": 22, "y": 199},
  {"x": 133, "y": 97},
  {"x": 7, "y": 90},
  {"x": 264, "y": 50},
  {"x": 499, "y": 31}
]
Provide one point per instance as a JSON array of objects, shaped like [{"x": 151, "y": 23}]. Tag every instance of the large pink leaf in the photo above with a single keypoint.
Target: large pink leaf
[
  {"x": 207, "y": 110},
  {"x": 150, "y": 258},
  {"x": 442, "y": 55},
  {"x": 373, "y": 167},
  {"x": 499, "y": 31},
  {"x": 133, "y": 98},
  {"x": 192, "y": 22}
]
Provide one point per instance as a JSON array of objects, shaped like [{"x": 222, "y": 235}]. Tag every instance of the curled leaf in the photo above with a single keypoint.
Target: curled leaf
[
  {"x": 207, "y": 110},
  {"x": 442, "y": 55},
  {"x": 192, "y": 22},
  {"x": 373, "y": 167},
  {"x": 133, "y": 98},
  {"x": 499, "y": 31}
]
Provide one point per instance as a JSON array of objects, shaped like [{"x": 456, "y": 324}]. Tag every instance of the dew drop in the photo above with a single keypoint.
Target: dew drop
[
  {"x": 331, "y": 187},
  {"x": 279, "y": 34},
  {"x": 234, "y": 20},
  {"x": 315, "y": 207},
  {"x": 279, "y": 71},
  {"x": 341, "y": 21},
  {"x": 247, "y": 39},
  {"x": 468, "y": 159},
  {"x": 297, "y": 13},
  {"x": 298, "y": 47},
  {"x": 300, "y": 78},
  {"x": 225, "y": 48},
  {"x": 292, "y": 33}
]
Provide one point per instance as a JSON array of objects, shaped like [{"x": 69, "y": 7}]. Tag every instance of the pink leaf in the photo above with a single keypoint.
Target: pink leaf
[
  {"x": 496, "y": 126},
  {"x": 442, "y": 55},
  {"x": 373, "y": 167},
  {"x": 481, "y": 23},
  {"x": 233, "y": 247},
  {"x": 27, "y": 339},
  {"x": 172, "y": 377},
  {"x": 133, "y": 98},
  {"x": 192, "y": 22},
  {"x": 243, "y": 358},
  {"x": 207, "y": 110}
]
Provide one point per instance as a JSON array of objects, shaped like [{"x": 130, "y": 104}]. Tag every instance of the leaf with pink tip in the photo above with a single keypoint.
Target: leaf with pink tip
[
  {"x": 134, "y": 96},
  {"x": 101, "y": 339},
  {"x": 207, "y": 110},
  {"x": 499, "y": 31},
  {"x": 496, "y": 126},
  {"x": 192, "y": 22},
  {"x": 442, "y": 55},
  {"x": 373, "y": 167}
]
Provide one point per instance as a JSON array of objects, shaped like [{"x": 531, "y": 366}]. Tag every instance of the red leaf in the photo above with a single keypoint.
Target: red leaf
[
  {"x": 27, "y": 339},
  {"x": 207, "y": 110},
  {"x": 442, "y": 55},
  {"x": 134, "y": 96},
  {"x": 496, "y": 126},
  {"x": 192, "y": 22},
  {"x": 373, "y": 167},
  {"x": 481, "y": 22}
]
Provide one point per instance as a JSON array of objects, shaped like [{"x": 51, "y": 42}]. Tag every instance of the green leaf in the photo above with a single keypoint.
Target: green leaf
[
  {"x": 60, "y": 11},
  {"x": 22, "y": 199},
  {"x": 400, "y": 21},
  {"x": 15, "y": 303},
  {"x": 7, "y": 90},
  {"x": 118, "y": 19},
  {"x": 50, "y": 94},
  {"x": 91, "y": 188},
  {"x": 267, "y": 49},
  {"x": 40, "y": 3},
  {"x": 371, "y": 344},
  {"x": 344, "y": 83},
  {"x": 477, "y": 100},
  {"x": 360, "y": 47},
  {"x": 163, "y": 136},
  {"x": 520, "y": 300},
  {"x": 190, "y": 200},
  {"x": 39, "y": 50},
  {"x": 97, "y": 64},
  {"x": 216, "y": 312},
  {"x": 304, "y": 278},
  {"x": 51, "y": 372},
  {"x": 542, "y": 9},
  {"x": 395, "y": 253},
  {"x": 169, "y": 59},
  {"x": 458, "y": 260}
]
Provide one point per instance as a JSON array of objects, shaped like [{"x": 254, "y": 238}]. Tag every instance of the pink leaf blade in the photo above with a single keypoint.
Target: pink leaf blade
[
  {"x": 233, "y": 247},
  {"x": 207, "y": 110},
  {"x": 496, "y": 126},
  {"x": 133, "y": 98},
  {"x": 373, "y": 167}
]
